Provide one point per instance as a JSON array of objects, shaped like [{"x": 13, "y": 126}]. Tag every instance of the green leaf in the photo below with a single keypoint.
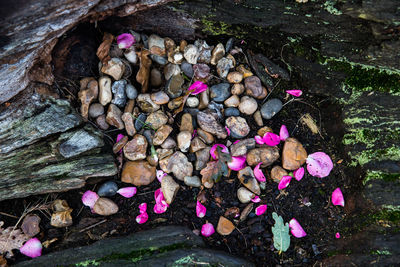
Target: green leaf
[{"x": 281, "y": 234}]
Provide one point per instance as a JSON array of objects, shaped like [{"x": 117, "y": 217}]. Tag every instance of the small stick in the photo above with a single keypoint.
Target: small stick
[
  {"x": 8, "y": 215},
  {"x": 93, "y": 225}
]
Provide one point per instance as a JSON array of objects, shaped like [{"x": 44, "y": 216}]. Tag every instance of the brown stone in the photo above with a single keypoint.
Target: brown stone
[
  {"x": 202, "y": 157},
  {"x": 232, "y": 101},
  {"x": 186, "y": 123},
  {"x": 234, "y": 77},
  {"x": 246, "y": 177},
  {"x": 175, "y": 103},
  {"x": 30, "y": 225},
  {"x": 204, "y": 99},
  {"x": 237, "y": 89},
  {"x": 242, "y": 69},
  {"x": 241, "y": 147},
  {"x": 253, "y": 86},
  {"x": 208, "y": 123},
  {"x": 205, "y": 136},
  {"x": 114, "y": 117},
  {"x": 160, "y": 98},
  {"x": 120, "y": 144},
  {"x": 161, "y": 134},
  {"x": 238, "y": 126},
  {"x": 293, "y": 155},
  {"x": 258, "y": 118},
  {"x": 169, "y": 143},
  {"x": 184, "y": 139},
  {"x": 138, "y": 173},
  {"x": 129, "y": 124},
  {"x": 114, "y": 67},
  {"x": 217, "y": 53},
  {"x": 264, "y": 130},
  {"x": 61, "y": 218},
  {"x": 164, "y": 152},
  {"x": 129, "y": 106},
  {"x": 105, "y": 207},
  {"x": 157, "y": 119},
  {"x": 179, "y": 165},
  {"x": 267, "y": 155},
  {"x": 146, "y": 104},
  {"x": 169, "y": 188},
  {"x": 101, "y": 122},
  {"x": 196, "y": 145},
  {"x": 136, "y": 148},
  {"x": 225, "y": 226},
  {"x": 277, "y": 173},
  {"x": 87, "y": 96}
]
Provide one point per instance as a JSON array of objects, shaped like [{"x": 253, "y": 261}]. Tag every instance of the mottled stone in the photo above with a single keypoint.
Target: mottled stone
[
  {"x": 30, "y": 225},
  {"x": 202, "y": 157},
  {"x": 196, "y": 145},
  {"x": 244, "y": 195},
  {"x": 184, "y": 139},
  {"x": 238, "y": 126},
  {"x": 169, "y": 143},
  {"x": 169, "y": 188},
  {"x": 186, "y": 123},
  {"x": 87, "y": 96},
  {"x": 161, "y": 134},
  {"x": 205, "y": 136},
  {"x": 118, "y": 89},
  {"x": 246, "y": 72},
  {"x": 193, "y": 181},
  {"x": 114, "y": 67},
  {"x": 171, "y": 70},
  {"x": 220, "y": 92},
  {"x": 241, "y": 147},
  {"x": 208, "y": 123},
  {"x": 266, "y": 155},
  {"x": 248, "y": 105},
  {"x": 180, "y": 166},
  {"x": 264, "y": 130},
  {"x": 156, "y": 45},
  {"x": 217, "y": 53},
  {"x": 138, "y": 173},
  {"x": 191, "y": 53},
  {"x": 253, "y": 86},
  {"x": 237, "y": 89},
  {"x": 293, "y": 155},
  {"x": 105, "y": 207},
  {"x": 102, "y": 123},
  {"x": 136, "y": 148},
  {"x": 175, "y": 103},
  {"x": 223, "y": 67},
  {"x": 159, "y": 98},
  {"x": 96, "y": 110},
  {"x": 162, "y": 153},
  {"x": 270, "y": 108},
  {"x": 201, "y": 71},
  {"x": 192, "y": 102},
  {"x": 234, "y": 77},
  {"x": 146, "y": 104},
  {"x": 118, "y": 146},
  {"x": 204, "y": 51},
  {"x": 114, "y": 117},
  {"x": 277, "y": 172},
  {"x": 128, "y": 122},
  {"x": 174, "y": 86},
  {"x": 232, "y": 101},
  {"x": 157, "y": 119}
]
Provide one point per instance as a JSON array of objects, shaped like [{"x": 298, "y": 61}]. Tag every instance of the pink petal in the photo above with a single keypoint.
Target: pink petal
[
  {"x": 256, "y": 199},
  {"x": 142, "y": 218},
  {"x": 295, "y": 93},
  {"x": 89, "y": 198},
  {"x": 260, "y": 210},
  {"x": 259, "y": 140},
  {"x": 258, "y": 173},
  {"x": 160, "y": 174},
  {"x": 32, "y": 248},
  {"x": 207, "y": 229},
  {"x": 161, "y": 205},
  {"x": 125, "y": 40},
  {"x": 237, "y": 163},
  {"x": 271, "y": 139},
  {"x": 319, "y": 164},
  {"x": 296, "y": 229},
  {"x": 283, "y": 133},
  {"x": 299, "y": 173},
  {"x": 214, "y": 152},
  {"x": 337, "y": 197},
  {"x": 337, "y": 235},
  {"x": 228, "y": 131},
  {"x": 127, "y": 191},
  {"x": 194, "y": 133},
  {"x": 197, "y": 87},
  {"x": 237, "y": 141},
  {"x": 160, "y": 208},
  {"x": 119, "y": 137},
  {"x": 142, "y": 208},
  {"x": 285, "y": 181},
  {"x": 200, "y": 210}
]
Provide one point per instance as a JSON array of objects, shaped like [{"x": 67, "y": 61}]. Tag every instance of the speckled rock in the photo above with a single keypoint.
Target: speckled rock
[
  {"x": 253, "y": 86},
  {"x": 248, "y": 105},
  {"x": 146, "y": 104},
  {"x": 114, "y": 67},
  {"x": 173, "y": 86},
  {"x": 201, "y": 71},
  {"x": 293, "y": 155},
  {"x": 202, "y": 157},
  {"x": 169, "y": 143},
  {"x": 193, "y": 181},
  {"x": 232, "y": 101},
  {"x": 234, "y": 77},
  {"x": 192, "y": 102},
  {"x": 159, "y": 98},
  {"x": 118, "y": 89},
  {"x": 208, "y": 123},
  {"x": 237, "y": 89},
  {"x": 246, "y": 177},
  {"x": 114, "y": 117},
  {"x": 205, "y": 136},
  {"x": 184, "y": 139},
  {"x": 161, "y": 134},
  {"x": 157, "y": 119},
  {"x": 238, "y": 126},
  {"x": 191, "y": 53},
  {"x": 223, "y": 67},
  {"x": 105, "y": 95},
  {"x": 138, "y": 173},
  {"x": 169, "y": 188},
  {"x": 186, "y": 123},
  {"x": 266, "y": 155},
  {"x": 241, "y": 147},
  {"x": 136, "y": 148},
  {"x": 96, "y": 110},
  {"x": 220, "y": 92}
]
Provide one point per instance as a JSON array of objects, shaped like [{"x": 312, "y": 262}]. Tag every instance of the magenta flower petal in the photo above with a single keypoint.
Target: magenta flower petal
[
  {"x": 296, "y": 229},
  {"x": 337, "y": 197},
  {"x": 200, "y": 210},
  {"x": 127, "y": 191},
  {"x": 258, "y": 173},
  {"x": 237, "y": 141},
  {"x": 142, "y": 208},
  {"x": 214, "y": 152},
  {"x": 295, "y": 93},
  {"x": 271, "y": 139},
  {"x": 319, "y": 164},
  {"x": 256, "y": 199},
  {"x": 32, "y": 248},
  {"x": 285, "y": 181},
  {"x": 259, "y": 140},
  {"x": 237, "y": 163},
  {"x": 119, "y": 137},
  {"x": 125, "y": 40},
  {"x": 142, "y": 218},
  {"x": 337, "y": 235},
  {"x": 207, "y": 229},
  {"x": 160, "y": 208},
  {"x": 228, "y": 131},
  {"x": 283, "y": 133},
  {"x": 160, "y": 174},
  {"x": 161, "y": 205},
  {"x": 89, "y": 198},
  {"x": 260, "y": 210},
  {"x": 197, "y": 87},
  {"x": 299, "y": 173}
]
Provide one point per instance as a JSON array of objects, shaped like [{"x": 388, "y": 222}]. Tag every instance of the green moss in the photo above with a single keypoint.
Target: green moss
[
  {"x": 213, "y": 27},
  {"x": 381, "y": 252},
  {"x": 329, "y": 6},
  {"x": 88, "y": 263},
  {"x": 390, "y": 153},
  {"x": 387, "y": 215},
  {"x": 369, "y": 137},
  {"x": 378, "y": 175}
]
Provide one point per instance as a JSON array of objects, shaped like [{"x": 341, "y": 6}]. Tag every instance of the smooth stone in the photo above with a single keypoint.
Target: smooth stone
[
  {"x": 225, "y": 226},
  {"x": 136, "y": 148},
  {"x": 118, "y": 146},
  {"x": 184, "y": 139},
  {"x": 237, "y": 89},
  {"x": 159, "y": 60},
  {"x": 169, "y": 143},
  {"x": 114, "y": 117},
  {"x": 204, "y": 99},
  {"x": 246, "y": 72},
  {"x": 208, "y": 123},
  {"x": 176, "y": 58},
  {"x": 146, "y": 104},
  {"x": 202, "y": 157},
  {"x": 156, "y": 45},
  {"x": 105, "y": 207},
  {"x": 241, "y": 147},
  {"x": 229, "y": 44},
  {"x": 246, "y": 177},
  {"x": 159, "y": 98},
  {"x": 204, "y": 51},
  {"x": 217, "y": 53},
  {"x": 161, "y": 134},
  {"x": 105, "y": 95},
  {"x": 192, "y": 102},
  {"x": 232, "y": 101},
  {"x": 223, "y": 67},
  {"x": 102, "y": 123},
  {"x": 149, "y": 135},
  {"x": 182, "y": 45},
  {"x": 155, "y": 78},
  {"x": 181, "y": 167},
  {"x": 157, "y": 119},
  {"x": 201, "y": 71},
  {"x": 131, "y": 91},
  {"x": 187, "y": 69},
  {"x": 270, "y": 108},
  {"x": 244, "y": 195},
  {"x": 264, "y": 130},
  {"x": 118, "y": 89},
  {"x": 108, "y": 189},
  {"x": 220, "y": 92},
  {"x": 253, "y": 86},
  {"x": 174, "y": 86},
  {"x": 193, "y": 181},
  {"x": 263, "y": 94},
  {"x": 164, "y": 152},
  {"x": 186, "y": 123},
  {"x": 277, "y": 172},
  {"x": 145, "y": 39},
  {"x": 266, "y": 155},
  {"x": 246, "y": 211},
  {"x": 171, "y": 70},
  {"x": 131, "y": 56},
  {"x": 229, "y": 112},
  {"x": 169, "y": 188},
  {"x": 96, "y": 110},
  {"x": 216, "y": 108},
  {"x": 205, "y": 136},
  {"x": 238, "y": 126},
  {"x": 258, "y": 118},
  {"x": 139, "y": 122},
  {"x": 234, "y": 77},
  {"x": 114, "y": 67},
  {"x": 191, "y": 53},
  {"x": 138, "y": 173},
  {"x": 196, "y": 144},
  {"x": 248, "y": 105},
  {"x": 129, "y": 106},
  {"x": 293, "y": 155},
  {"x": 87, "y": 96},
  {"x": 30, "y": 225}
]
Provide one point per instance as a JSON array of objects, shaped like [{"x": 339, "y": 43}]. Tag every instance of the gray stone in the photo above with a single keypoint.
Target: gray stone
[
  {"x": 231, "y": 112},
  {"x": 171, "y": 70},
  {"x": 201, "y": 71},
  {"x": 139, "y": 122},
  {"x": 204, "y": 51},
  {"x": 191, "y": 54},
  {"x": 220, "y": 92},
  {"x": 155, "y": 78},
  {"x": 174, "y": 86},
  {"x": 187, "y": 69},
  {"x": 229, "y": 45},
  {"x": 158, "y": 59},
  {"x": 131, "y": 91},
  {"x": 108, "y": 189},
  {"x": 96, "y": 110},
  {"x": 193, "y": 181},
  {"x": 146, "y": 104},
  {"x": 156, "y": 45},
  {"x": 208, "y": 123},
  {"x": 242, "y": 147},
  {"x": 169, "y": 143},
  {"x": 238, "y": 126},
  {"x": 202, "y": 157},
  {"x": 217, "y": 53},
  {"x": 223, "y": 67},
  {"x": 118, "y": 89},
  {"x": 270, "y": 108},
  {"x": 248, "y": 105}
]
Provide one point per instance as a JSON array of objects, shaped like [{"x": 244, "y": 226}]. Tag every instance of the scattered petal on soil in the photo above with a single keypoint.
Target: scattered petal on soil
[
  {"x": 197, "y": 87},
  {"x": 271, "y": 139},
  {"x": 258, "y": 173},
  {"x": 295, "y": 93},
  {"x": 299, "y": 173},
  {"x": 142, "y": 218},
  {"x": 200, "y": 210},
  {"x": 32, "y": 248},
  {"x": 214, "y": 152},
  {"x": 337, "y": 197},
  {"x": 319, "y": 164},
  {"x": 296, "y": 229},
  {"x": 256, "y": 199},
  {"x": 283, "y": 133},
  {"x": 337, "y": 235},
  {"x": 89, "y": 198},
  {"x": 125, "y": 40},
  {"x": 237, "y": 163},
  {"x": 207, "y": 229},
  {"x": 127, "y": 191},
  {"x": 260, "y": 210},
  {"x": 285, "y": 181},
  {"x": 259, "y": 140}
]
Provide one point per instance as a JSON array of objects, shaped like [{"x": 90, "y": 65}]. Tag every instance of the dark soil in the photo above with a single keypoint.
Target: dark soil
[{"x": 308, "y": 200}]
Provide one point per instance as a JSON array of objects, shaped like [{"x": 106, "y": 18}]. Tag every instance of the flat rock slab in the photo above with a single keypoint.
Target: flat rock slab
[{"x": 163, "y": 246}]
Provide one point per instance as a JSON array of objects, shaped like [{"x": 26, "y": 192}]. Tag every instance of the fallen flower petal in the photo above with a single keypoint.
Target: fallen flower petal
[
  {"x": 32, "y": 248},
  {"x": 142, "y": 218},
  {"x": 259, "y": 140},
  {"x": 207, "y": 229},
  {"x": 258, "y": 173},
  {"x": 256, "y": 199},
  {"x": 214, "y": 152},
  {"x": 228, "y": 131},
  {"x": 125, "y": 40},
  {"x": 127, "y": 191},
  {"x": 237, "y": 163},
  {"x": 142, "y": 208},
  {"x": 283, "y": 133},
  {"x": 89, "y": 198},
  {"x": 271, "y": 139},
  {"x": 296, "y": 229},
  {"x": 285, "y": 181},
  {"x": 161, "y": 205},
  {"x": 337, "y": 197},
  {"x": 319, "y": 164},
  {"x": 197, "y": 87},
  {"x": 337, "y": 235},
  {"x": 299, "y": 173},
  {"x": 119, "y": 137},
  {"x": 160, "y": 174},
  {"x": 260, "y": 210},
  {"x": 160, "y": 208},
  {"x": 200, "y": 210},
  {"x": 237, "y": 141},
  {"x": 295, "y": 93}
]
